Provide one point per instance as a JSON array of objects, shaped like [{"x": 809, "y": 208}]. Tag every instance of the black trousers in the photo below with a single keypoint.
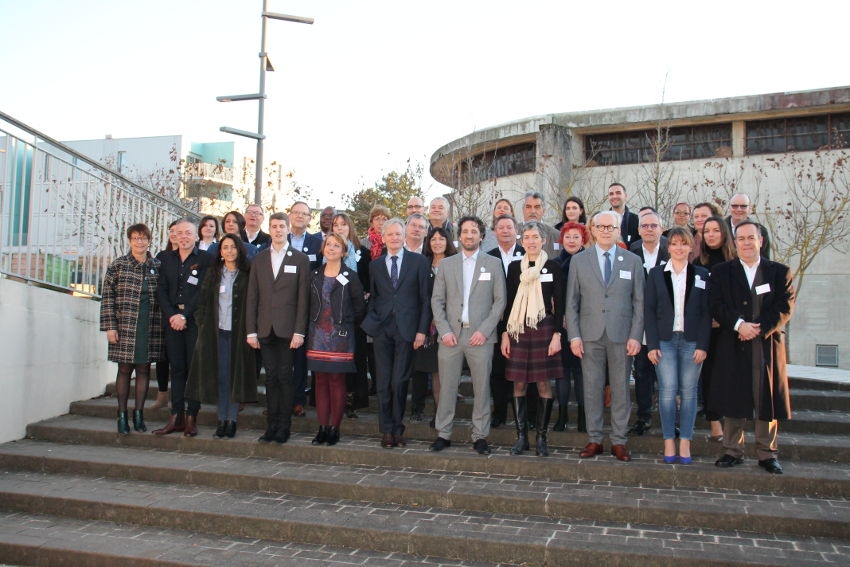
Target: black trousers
[
  {"x": 394, "y": 361},
  {"x": 277, "y": 360},
  {"x": 645, "y": 378},
  {"x": 501, "y": 389},
  {"x": 180, "y": 346}
]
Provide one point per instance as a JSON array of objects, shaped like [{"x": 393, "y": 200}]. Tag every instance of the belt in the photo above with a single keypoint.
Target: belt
[
  {"x": 464, "y": 325},
  {"x": 181, "y": 306}
]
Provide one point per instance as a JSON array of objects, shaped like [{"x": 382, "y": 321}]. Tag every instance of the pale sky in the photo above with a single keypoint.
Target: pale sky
[{"x": 375, "y": 82}]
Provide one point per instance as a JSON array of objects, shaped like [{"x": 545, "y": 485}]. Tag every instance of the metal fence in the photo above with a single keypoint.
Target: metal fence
[{"x": 64, "y": 216}]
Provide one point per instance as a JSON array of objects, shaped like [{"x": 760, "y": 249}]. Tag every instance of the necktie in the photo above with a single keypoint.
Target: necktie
[
  {"x": 607, "y": 267},
  {"x": 394, "y": 271}
]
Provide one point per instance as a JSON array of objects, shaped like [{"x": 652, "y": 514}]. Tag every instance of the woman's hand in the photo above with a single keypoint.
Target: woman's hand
[
  {"x": 654, "y": 355},
  {"x": 112, "y": 337},
  {"x": 554, "y": 345},
  {"x": 506, "y": 345}
]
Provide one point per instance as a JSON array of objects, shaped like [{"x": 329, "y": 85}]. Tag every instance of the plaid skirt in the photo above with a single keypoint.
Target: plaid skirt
[{"x": 528, "y": 361}]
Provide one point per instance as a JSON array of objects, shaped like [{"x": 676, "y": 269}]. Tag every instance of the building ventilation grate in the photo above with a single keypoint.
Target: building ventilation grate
[{"x": 826, "y": 355}]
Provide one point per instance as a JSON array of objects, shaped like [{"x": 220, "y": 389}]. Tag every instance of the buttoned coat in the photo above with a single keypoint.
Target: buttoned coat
[
  {"x": 280, "y": 304},
  {"x": 409, "y": 303},
  {"x": 659, "y": 308},
  {"x": 730, "y": 299},
  {"x": 594, "y": 308},
  {"x": 661, "y": 258},
  {"x": 486, "y": 296}
]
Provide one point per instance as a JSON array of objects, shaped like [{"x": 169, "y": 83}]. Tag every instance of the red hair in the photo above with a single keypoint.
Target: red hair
[{"x": 568, "y": 226}]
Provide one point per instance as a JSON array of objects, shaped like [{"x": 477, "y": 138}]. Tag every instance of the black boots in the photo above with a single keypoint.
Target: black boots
[
  {"x": 521, "y": 415},
  {"x": 321, "y": 436},
  {"x": 123, "y": 426},
  {"x": 333, "y": 435},
  {"x": 219, "y": 430},
  {"x": 563, "y": 418},
  {"x": 139, "y": 421},
  {"x": 582, "y": 422},
  {"x": 544, "y": 413}
]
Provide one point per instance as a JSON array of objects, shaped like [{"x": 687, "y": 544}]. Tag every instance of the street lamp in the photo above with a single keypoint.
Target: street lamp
[{"x": 265, "y": 65}]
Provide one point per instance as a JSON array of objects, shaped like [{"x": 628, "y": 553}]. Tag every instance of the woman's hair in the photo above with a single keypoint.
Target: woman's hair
[
  {"x": 378, "y": 210},
  {"x": 715, "y": 210},
  {"x": 241, "y": 256},
  {"x": 680, "y": 232},
  {"x": 352, "y": 231},
  {"x": 582, "y": 218},
  {"x": 340, "y": 240},
  {"x": 511, "y": 205},
  {"x": 204, "y": 221},
  {"x": 571, "y": 225},
  {"x": 535, "y": 226},
  {"x": 139, "y": 228},
  {"x": 451, "y": 250},
  {"x": 726, "y": 244}
]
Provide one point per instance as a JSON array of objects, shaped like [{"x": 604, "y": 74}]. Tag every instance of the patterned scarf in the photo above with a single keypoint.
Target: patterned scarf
[{"x": 376, "y": 241}]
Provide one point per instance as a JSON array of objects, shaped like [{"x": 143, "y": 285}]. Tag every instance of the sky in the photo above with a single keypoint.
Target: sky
[{"x": 373, "y": 83}]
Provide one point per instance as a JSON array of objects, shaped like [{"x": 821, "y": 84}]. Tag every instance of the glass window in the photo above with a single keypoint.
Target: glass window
[
  {"x": 679, "y": 143},
  {"x": 502, "y": 162},
  {"x": 799, "y": 134}
]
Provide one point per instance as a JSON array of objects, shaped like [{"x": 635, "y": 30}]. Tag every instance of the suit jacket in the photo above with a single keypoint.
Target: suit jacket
[
  {"x": 312, "y": 248},
  {"x": 280, "y": 304},
  {"x": 409, "y": 305},
  {"x": 497, "y": 253},
  {"x": 594, "y": 309},
  {"x": 658, "y": 307},
  {"x": 764, "y": 252},
  {"x": 629, "y": 227},
  {"x": 486, "y": 296},
  {"x": 661, "y": 258},
  {"x": 262, "y": 240}
]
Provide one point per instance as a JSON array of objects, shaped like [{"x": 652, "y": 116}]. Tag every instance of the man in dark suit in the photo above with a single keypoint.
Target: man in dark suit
[
  {"x": 508, "y": 250},
  {"x": 277, "y": 307},
  {"x": 752, "y": 299},
  {"x": 398, "y": 319},
  {"x": 629, "y": 223},
  {"x": 180, "y": 276},
  {"x": 311, "y": 245},
  {"x": 652, "y": 251},
  {"x": 254, "y": 235},
  {"x": 605, "y": 326},
  {"x": 739, "y": 211}
]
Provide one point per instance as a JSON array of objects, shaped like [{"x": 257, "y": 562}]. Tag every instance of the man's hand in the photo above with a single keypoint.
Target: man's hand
[
  {"x": 418, "y": 341},
  {"x": 177, "y": 322},
  {"x": 449, "y": 339},
  {"x": 748, "y": 331},
  {"x": 296, "y": 342},
  {"x": 254, "y": 342},
  {"x": 632, "y": 347},
  {"x": 477, "y": 339}
]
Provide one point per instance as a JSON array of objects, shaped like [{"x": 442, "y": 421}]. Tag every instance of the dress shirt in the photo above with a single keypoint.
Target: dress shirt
[
  {"x": 225, "y": 299},
  {"x": 468, "y": 276},
  {"x": 252, "y": 237},
  {"x": 277, "y": 258},
  {"x": 508, "y": 257},
  {"x": 297, "y": 242},
  {"x": 751, "y": 272},
  {"x": 389, "y": 262},
  {"x": 649, "y": 258},
  {"x": 600, "y": 255},
  {"x": 680, "y": 283}
]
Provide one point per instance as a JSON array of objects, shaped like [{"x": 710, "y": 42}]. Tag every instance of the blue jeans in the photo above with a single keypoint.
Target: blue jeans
[
  {"x": 677, "y": 374},
  {"x": 228, "y": 409}
]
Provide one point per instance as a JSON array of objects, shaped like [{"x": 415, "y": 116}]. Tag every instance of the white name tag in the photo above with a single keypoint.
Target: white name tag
[
  {"x": 311, "y": 257},
  {"x": 484, "y": 277},
  {"x": 221, "y": 289},
  {"x": 556, "y": 246},
  {"x": 342, "y": 279},
  {"x": 625, "y": 275},
  {"x": 546, "y": 277},
  {"x": 763, "y": 288},
  {"x": 699, "y": 283},
  {"x": 192, "y": 280},
  {"x": 290, "y": 269}
]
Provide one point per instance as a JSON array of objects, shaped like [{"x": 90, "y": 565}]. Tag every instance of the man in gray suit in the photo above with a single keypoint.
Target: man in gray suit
[
  {"x": 467, "y": 302},
  {"x": 605, "y": 326}
]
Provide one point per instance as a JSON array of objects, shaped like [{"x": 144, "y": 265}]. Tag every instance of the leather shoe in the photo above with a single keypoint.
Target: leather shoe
[
  {"x": 727, "y": 461},
  {"x": 175, "y": 423},
  {"x": 640, "y": 427},
  {"x": 440, "y": 444},
  {"x": 191, "y": 428},
  {"x": 621, "y": 452},
  {"x": 496, "y": 421},
  {"x": 591, "y": 450},
  {"x": 298, "y": 411},
  {"x": 268, "y": 436},
  {"x": 281, "y": 436},
  {"x": 771, "y": 465},
  {"x": 481, "y": 447},
  {"x": 399, "y": 441},
  {"x": 387, "y": 441}
]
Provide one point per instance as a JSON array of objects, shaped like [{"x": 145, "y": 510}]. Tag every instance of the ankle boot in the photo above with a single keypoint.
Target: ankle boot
[
  {"x": 582, "y": 423},
  {"x": 139, "y": 421},
  {"x": 219, "y": 430},
  {"x": 521, "y": 414},
  {"x": 321, "y": 436},
  {"x": 230, "y": 429},
  {"x": 123, "y": 426},
  {"x": 333, "y": 435},
  {"x": 175, "y": 423},
  {"x": 191, "y": 428},
  {"x": 563, "y": 418},
  {"x": 544, "y": 413}
]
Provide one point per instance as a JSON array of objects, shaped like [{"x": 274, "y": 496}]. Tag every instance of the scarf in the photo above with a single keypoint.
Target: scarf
[
  {"x": 352, "y": 257},
  {"x": 376, "y": 241},
  {"x": 528, "y": 308}
]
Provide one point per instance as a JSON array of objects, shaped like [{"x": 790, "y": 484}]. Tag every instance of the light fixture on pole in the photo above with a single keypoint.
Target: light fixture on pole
[{"x": 265, "y": 65}]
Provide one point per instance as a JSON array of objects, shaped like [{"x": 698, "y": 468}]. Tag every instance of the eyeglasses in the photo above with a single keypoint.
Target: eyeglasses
[
  {"x": 685, "y": 213},
  {"x": 739, "y": 206},
  {"x": 139, "y": 239},
  {"x": 606, "y": 227},
  {"x": 649, "y": 226}
]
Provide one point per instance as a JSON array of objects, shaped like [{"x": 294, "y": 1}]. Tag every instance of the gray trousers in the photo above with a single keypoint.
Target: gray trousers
[
  {"x": 601, "y": 358},
  {"x": 450, "y": 360}
]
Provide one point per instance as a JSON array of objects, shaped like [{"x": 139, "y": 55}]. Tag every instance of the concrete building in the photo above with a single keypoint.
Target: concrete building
[{"x": 787, "y": 151}]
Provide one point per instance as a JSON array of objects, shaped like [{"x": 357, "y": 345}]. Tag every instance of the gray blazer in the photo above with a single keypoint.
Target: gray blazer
[
  {"x": 594, "y": 309},
  {"x": 486, "y": 296}
]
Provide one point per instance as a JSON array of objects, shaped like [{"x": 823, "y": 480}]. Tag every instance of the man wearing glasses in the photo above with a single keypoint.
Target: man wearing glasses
[
  {"x": 605, "y": 327},
  {"x": 739, "y": 211},
  {"x": 253, "y": 233}
]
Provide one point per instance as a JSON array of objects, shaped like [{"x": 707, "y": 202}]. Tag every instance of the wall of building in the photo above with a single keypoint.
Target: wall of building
[{"x": 53, "y": 353}]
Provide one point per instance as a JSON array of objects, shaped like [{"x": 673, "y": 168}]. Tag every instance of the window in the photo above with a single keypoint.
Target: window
[
  {"x": 799, "y": 134},
  {"x": 679, "y": 143},
  {"x": 512, "y": 160}
]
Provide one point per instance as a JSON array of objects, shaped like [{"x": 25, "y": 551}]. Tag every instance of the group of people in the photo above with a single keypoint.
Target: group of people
[{"x": 536, "y": 312}]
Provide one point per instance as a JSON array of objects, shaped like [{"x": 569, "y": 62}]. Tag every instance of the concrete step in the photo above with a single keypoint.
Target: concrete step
[
  {"x": 563, "y": 465},
  {"x": 824, "y": 447},
  {"x": 393, "y": 528}
]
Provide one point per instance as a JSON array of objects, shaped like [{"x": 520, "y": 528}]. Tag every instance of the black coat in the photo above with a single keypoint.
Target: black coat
[
  {"x": 731, "y": 391},
  {"x": 659, "y": 310}
]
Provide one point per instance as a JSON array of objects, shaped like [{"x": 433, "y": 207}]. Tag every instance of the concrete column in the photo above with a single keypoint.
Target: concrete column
[{"x": 554, "y": 164}]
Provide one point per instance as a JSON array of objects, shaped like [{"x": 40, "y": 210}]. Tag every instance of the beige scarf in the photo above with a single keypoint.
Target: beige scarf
[{"x": 528, "y": 308}]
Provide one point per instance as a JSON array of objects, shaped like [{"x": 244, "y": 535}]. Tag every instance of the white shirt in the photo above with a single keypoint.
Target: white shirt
[
  {"x": 751, "y": 272},
  {"x": 650, "y": 258},
  {"x": 680, "y": 285},
  {"x": 277, "y": 258},
  {"x": 468, "y": 277},
  {"x": 389, "y": 261},
  {"x": 600, "y": 255},
  {"x": 508, "y": 256}
]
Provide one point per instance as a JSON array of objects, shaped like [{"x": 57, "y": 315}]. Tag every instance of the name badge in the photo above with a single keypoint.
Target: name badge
[
  {"x": 221, "y": 289},
  {"x": 484, "y": 277},
  {"x": 699, "y": 283},
  {"x": 556, "y": 246},
  {"x": 192, "y": 280},
  {"x": 625, "y": 275},
  {"x": 311, "y": 257},
  {"x": 763, "y": 288},
  {"x": 290, "y": 269},
  {"x": 342, "y": 279},
  {"x": 546, "y": 278}
]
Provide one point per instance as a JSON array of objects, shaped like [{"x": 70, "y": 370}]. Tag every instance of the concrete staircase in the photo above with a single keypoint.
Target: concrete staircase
[{"x": 76, "y": 493}]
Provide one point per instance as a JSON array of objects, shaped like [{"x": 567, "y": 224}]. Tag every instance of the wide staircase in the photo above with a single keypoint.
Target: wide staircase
[{"x": 76, "y": 493}]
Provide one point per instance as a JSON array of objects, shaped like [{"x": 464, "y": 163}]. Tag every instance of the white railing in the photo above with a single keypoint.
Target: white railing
[{"x": 63, "y": 215}]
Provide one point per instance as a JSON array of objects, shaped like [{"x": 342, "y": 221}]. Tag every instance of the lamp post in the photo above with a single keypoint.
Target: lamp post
[{"x": 260, "y": 97}]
